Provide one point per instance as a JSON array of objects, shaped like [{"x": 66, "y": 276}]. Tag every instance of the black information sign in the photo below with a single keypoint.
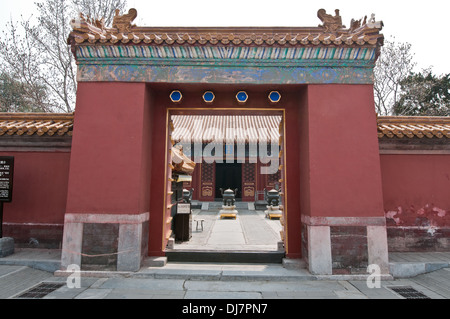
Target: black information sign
[
  {"x": 6, "y": 184},
  {"x": 6, "y": 178}
]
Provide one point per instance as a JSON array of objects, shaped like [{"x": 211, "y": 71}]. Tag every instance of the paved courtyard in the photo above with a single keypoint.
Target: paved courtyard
[{"x": 251, "y": 230}]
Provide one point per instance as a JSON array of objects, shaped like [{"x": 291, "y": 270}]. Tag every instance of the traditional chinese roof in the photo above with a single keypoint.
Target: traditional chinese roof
[
  {"x": 413, "y": 126},
  {"x": 36, "y": 124},
  {"x": 225, "y": 128},
  {"x": 88, "y": 31},
  {"x": 328, "y": 53}
]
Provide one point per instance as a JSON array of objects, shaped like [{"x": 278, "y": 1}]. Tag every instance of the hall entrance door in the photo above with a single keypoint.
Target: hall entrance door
[{"x": 228, "y": 175}]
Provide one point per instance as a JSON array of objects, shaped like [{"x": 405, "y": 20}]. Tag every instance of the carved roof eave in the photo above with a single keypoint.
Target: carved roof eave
[
  {"x": 27, "y": 124},
  {"x": 88, "y": 31},
  {"x": 413, "y": 126},
  {"x": 220, "y": 36},
  {"x": 365, "y": 34}
]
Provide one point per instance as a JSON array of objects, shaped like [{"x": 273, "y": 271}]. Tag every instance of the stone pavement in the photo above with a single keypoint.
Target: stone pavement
[
  {"x": 251, "y": 230},
  {"x": 23, "y": 270}
]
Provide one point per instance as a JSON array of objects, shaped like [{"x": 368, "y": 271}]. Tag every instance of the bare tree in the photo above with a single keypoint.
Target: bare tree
[
  {"x": 394, "y": 65},
  {"x": 16, "y": 96},
  {"x": 20, "y": 63},
  {"x": 35, "y": 51},
  {"x": 424, "y": 94}
]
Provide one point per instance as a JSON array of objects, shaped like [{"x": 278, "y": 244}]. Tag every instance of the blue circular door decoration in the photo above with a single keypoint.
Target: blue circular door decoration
[
  {"x": 208, "y": 97},
  {"x": 176, "y": 96},
  {"x": 242, "y": 96},
  {"x": 274, "y": 96}
]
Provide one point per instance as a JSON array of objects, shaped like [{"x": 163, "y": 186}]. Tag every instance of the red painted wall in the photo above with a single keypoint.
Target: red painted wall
[
  {"x": 39, "y": 199},
  {"x": 341, "y": 160},
  {"x": 416, "y": 187},
  {"x": 110, "y": 163},
  {"x": 40, "y": 187},
  {"x": 98, "y": 176}
]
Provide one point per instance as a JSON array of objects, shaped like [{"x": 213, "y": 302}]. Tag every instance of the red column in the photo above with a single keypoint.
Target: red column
[
  {"x": 343, "y": 156},
  {"x": 291, "y": 178},
  {"x": 109, "y": 177},
  {"x": 340, "y": 191},
  {"x": 110, "y": 160}
]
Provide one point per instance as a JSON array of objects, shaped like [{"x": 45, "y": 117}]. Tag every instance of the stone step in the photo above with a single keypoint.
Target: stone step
[
  {"x": 219, "y": 204},
  {"x": 225, "y": 256},
  {"x": 261, "y": 205}
]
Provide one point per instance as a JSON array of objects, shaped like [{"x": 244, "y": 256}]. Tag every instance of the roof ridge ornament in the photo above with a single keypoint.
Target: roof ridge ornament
[
  {"x": 88, "y": 25},
  {"x": 123, "y": 22},
  {"x": 362, "y": 25},
  {"x": 330, "y": 23},
  {"x": 333, "y": 24}
]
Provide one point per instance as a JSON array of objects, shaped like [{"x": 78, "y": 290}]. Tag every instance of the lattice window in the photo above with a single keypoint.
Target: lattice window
[
  {"x": 207, "y": 172},
  {"x": 249, "y": 172},
  {"x": 273, "y": 178}
]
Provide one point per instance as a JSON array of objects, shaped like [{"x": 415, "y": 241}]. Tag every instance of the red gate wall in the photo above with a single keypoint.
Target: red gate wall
[
  {"x": 317, "y": 121},
  {"x": 414, "y": 186}
]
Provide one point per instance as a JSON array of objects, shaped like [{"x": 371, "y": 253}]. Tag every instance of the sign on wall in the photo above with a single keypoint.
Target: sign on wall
[
  {"x": 6, "y": 178},
  {"x": 183, "y": 208}
]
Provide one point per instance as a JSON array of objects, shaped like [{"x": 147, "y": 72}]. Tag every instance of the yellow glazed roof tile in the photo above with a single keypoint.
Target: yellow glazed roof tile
[
  {"x": 208, "y": 128},
  {"x": 36, "y": 124},
  {"x": 413, "y": 126}
]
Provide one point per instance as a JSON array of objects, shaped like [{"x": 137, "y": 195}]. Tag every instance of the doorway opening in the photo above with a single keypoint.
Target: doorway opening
[
  {"x": 228, "y": 176},
  {"x": 251, "y": 235}
]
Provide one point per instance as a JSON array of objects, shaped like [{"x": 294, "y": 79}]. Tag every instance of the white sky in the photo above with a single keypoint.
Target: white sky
[{"x": 423, "y": 24}]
